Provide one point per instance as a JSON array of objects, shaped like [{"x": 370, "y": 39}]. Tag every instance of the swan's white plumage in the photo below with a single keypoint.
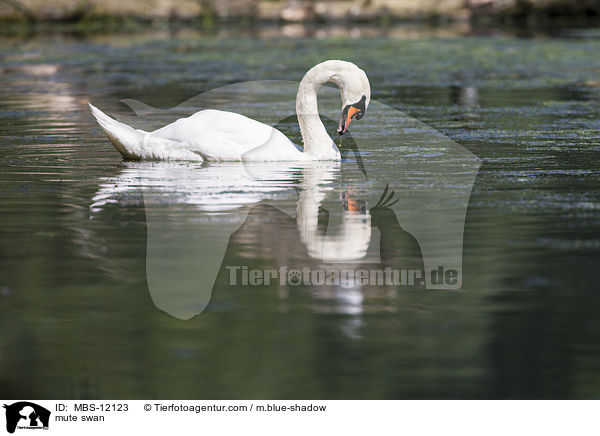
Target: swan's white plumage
[{"x": 226, "y": 136}]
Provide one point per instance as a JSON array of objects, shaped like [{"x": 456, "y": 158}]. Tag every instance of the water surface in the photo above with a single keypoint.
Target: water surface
[{"x": 78, "y": 319}]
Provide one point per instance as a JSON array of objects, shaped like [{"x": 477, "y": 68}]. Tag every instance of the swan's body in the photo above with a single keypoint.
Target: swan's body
[{"x": 219, "y": 135}]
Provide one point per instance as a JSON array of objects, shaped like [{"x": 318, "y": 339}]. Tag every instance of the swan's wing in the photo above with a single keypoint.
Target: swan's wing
[{"x": 219, "y": 135}]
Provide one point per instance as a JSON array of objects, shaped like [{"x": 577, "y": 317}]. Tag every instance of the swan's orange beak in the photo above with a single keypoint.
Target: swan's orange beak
[{"x": 350, "y": 112}]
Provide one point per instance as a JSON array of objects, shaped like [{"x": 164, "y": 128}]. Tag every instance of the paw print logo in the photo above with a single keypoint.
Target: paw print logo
[{"x": 294, "y": 277}]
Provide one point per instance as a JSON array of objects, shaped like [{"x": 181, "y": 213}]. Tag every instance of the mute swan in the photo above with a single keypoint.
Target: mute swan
[{"x": 216, "y": 135}]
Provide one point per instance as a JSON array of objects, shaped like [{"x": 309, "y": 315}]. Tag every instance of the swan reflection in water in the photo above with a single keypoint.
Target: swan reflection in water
[{"x": 202, "y": 219}]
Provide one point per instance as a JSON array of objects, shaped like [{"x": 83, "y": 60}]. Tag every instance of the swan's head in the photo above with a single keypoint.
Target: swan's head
[
  {"x": 352, "y": 82},
  {"x": 355, "y": 90}
]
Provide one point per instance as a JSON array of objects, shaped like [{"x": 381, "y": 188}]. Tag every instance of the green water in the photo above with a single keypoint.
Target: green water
[{"x": 77, "y": 319}]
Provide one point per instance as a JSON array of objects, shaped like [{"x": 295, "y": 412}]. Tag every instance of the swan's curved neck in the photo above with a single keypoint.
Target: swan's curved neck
[{"x": 317, "y": 143}]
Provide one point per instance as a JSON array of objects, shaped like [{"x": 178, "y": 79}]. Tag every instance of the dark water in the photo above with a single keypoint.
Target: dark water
[{"x": 78, "y": 224}]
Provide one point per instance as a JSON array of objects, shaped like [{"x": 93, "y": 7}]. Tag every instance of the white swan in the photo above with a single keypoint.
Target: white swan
[{"x": 226, "y": 136}]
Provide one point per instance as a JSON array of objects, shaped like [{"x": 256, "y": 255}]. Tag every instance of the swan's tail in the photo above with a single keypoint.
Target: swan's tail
[{"x": 127, "y": 140}]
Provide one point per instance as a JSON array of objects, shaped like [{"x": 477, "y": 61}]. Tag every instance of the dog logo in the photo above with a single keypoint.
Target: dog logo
[{"x": 26, "y": 415}]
